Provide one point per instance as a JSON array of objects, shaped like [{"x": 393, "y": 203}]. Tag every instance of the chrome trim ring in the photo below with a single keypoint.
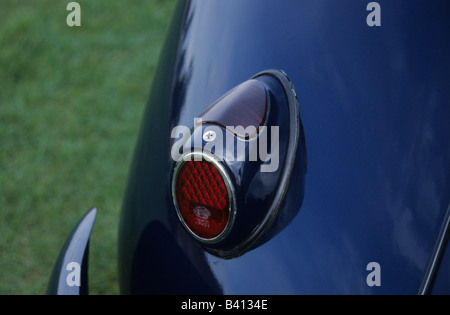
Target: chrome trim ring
[{"x": 194, "y": 156}]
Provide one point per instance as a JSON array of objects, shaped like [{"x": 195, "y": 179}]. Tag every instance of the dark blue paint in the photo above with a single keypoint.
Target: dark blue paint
[
  {"x": 441, "y": 285},
  {"x": 375, "y": 105},
  {"x": 153, "y": 265},
  {"x": 74, "y": 250}
]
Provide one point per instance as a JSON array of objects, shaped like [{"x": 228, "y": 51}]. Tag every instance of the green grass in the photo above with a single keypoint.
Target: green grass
[{"x": 71, "y": 101}]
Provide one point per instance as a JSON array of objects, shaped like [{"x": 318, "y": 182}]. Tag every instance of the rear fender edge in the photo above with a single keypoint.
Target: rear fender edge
[{"x": 70, "y": 272}]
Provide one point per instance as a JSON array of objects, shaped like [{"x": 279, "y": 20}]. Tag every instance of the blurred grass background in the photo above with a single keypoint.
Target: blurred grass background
[{"x": 71, "y": 101}]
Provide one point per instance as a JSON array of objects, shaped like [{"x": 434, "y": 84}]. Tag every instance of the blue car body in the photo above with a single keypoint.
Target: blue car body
[{"x": 374, "y": 102}]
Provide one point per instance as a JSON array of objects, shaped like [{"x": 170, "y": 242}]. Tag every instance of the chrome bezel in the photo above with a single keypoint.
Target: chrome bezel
[{"x": 194, "y": 156}]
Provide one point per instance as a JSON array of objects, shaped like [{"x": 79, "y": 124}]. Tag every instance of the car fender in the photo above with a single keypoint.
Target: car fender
[{"x": 70, "y": 272}]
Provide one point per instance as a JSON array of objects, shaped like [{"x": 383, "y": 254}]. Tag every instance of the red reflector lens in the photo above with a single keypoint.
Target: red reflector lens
[{"x": 202, "y": 198}]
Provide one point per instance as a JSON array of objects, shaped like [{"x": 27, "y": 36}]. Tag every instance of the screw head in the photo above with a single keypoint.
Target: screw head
[{"x": 209, "y": 136}]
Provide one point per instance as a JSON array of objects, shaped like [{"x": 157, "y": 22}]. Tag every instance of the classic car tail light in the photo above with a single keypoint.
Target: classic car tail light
[
  {"x": 231, "y": 184},
  {"x": 203, "y": 197}
]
